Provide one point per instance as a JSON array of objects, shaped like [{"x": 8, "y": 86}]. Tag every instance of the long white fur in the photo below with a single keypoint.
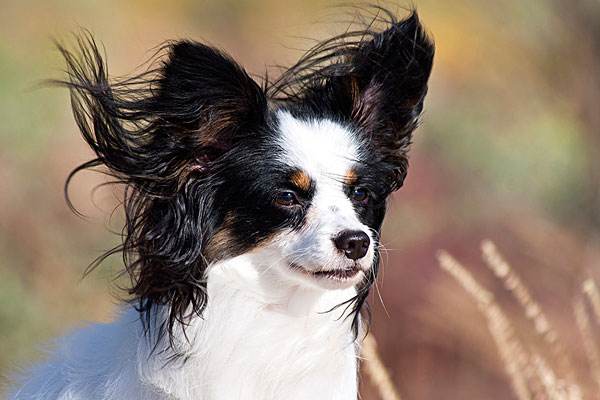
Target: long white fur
[{"x": 266, "y": 333}]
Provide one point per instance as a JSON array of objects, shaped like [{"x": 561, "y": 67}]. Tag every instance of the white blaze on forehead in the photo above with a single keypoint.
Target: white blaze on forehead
[{"x": 322, "y": 148}]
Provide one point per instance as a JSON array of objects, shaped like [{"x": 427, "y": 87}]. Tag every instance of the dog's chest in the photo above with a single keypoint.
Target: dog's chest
[
  {"x": 259, "y": 345},
  {"x": 262, "y": 352},
  {"x": 245, "y": 348}
]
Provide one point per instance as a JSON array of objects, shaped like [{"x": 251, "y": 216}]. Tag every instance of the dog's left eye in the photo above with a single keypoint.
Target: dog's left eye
[
  {"x": 360, "y": 195},
  {"x": 286, "y": 199}
]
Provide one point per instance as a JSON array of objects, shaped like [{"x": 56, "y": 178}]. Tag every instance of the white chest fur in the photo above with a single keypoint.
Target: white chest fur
[
  {"x": 251, "y": 343},
  {"x": 256, "y": 342}
]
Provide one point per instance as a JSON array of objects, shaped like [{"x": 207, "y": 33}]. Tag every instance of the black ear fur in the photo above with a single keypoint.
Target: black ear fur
[
  {"x": 388, "y": 81},
  {"x": 158, "y": 134},
  {"x": 375, "y": 79},
  {"x": 211, "y": 93}
]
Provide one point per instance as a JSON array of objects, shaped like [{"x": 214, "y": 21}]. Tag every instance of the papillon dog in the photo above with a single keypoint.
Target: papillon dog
[{"x": 252, "y": 216}]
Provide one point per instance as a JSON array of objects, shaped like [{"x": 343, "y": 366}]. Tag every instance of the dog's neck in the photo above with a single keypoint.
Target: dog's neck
[{"x": 262, "y": 337}]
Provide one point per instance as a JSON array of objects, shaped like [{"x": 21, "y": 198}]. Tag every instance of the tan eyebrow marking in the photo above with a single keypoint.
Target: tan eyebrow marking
[
  {"x": 301, "y": 180},
  {"x": 351, "y": 177}
]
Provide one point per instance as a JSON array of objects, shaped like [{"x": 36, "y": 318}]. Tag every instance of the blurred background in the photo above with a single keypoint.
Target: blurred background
[{"x": 509, "y": 150}]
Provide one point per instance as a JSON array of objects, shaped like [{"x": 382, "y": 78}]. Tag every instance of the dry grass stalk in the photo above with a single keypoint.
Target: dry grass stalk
[
  {"x": 553, "y": 387},
  {"x": 590, "y": 290},
  {"x": 511, "y": 351},
  {"x": 376, "y": 371},
  {"x": 530, "y": 375},
  {"x": 591, "y": 351},
  {"x": 513, "y": 283}
]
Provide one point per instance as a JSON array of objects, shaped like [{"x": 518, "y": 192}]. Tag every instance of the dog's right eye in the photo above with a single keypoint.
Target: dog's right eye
[{"x": 286, "y": 199}]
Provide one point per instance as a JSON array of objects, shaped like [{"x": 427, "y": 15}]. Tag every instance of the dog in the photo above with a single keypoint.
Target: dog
[{"x": 253, "y": 216}]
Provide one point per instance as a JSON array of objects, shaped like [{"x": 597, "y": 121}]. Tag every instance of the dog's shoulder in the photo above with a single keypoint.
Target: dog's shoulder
[{"x": 98, "y": 361}]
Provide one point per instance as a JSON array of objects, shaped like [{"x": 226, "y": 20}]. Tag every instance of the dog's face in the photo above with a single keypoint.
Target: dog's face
[
  {"x": 305, "y": 196},
  {"x": 297, "y": 171}
]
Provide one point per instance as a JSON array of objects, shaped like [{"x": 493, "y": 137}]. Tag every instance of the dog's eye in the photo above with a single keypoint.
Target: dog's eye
[
  {"x": 286, "y": 199},
  {"x": 360, "y": 195}
]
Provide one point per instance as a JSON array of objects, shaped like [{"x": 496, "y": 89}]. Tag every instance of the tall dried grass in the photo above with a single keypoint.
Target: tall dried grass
[
  {"x": 543, "y": 370},
  {"x": 376, "y": 370},
  {"x": 540, "y": 370}
]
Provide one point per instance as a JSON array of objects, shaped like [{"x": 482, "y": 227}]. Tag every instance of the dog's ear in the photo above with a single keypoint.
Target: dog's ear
[
  {"x": 378, "y": 80},
  {"x": 152, "y": 129},
  {"x": 158, "y": 134},
  {"x": 388, "y": 79},
  {"x": 206, "y": 94}
]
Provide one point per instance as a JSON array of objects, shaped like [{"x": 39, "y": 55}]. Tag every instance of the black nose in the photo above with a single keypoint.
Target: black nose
[{"x": 354, "y": 244}]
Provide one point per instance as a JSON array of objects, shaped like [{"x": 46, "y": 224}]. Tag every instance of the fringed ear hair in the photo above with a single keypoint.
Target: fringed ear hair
[
  {"x": 377, "y": 80},
  {"x": 205, "y": 93},
  {"x": 190, "y": 109},
  {"x": 154, "y": 132}
]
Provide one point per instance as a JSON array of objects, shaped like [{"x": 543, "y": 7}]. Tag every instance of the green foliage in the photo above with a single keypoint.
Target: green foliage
[
  {"x": 23, "y": 320},
  {"x": 538, "y": 159}
]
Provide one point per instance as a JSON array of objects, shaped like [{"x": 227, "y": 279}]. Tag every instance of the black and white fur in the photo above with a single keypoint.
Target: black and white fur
[{"x": 253, "y": 215}]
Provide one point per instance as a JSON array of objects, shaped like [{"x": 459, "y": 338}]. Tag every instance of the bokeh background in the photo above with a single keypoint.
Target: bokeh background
[{"x": 509, "y": 150}]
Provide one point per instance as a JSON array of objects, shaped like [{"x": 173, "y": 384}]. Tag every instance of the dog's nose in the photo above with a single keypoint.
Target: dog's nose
[{"x": 354, "y": 244}]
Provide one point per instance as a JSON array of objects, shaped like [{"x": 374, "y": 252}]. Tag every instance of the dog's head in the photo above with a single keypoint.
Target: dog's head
[{"x": 298, "y": 170}]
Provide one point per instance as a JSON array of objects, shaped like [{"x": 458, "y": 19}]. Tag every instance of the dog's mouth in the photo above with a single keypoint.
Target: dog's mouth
[{"x": 338, "y": 274}]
